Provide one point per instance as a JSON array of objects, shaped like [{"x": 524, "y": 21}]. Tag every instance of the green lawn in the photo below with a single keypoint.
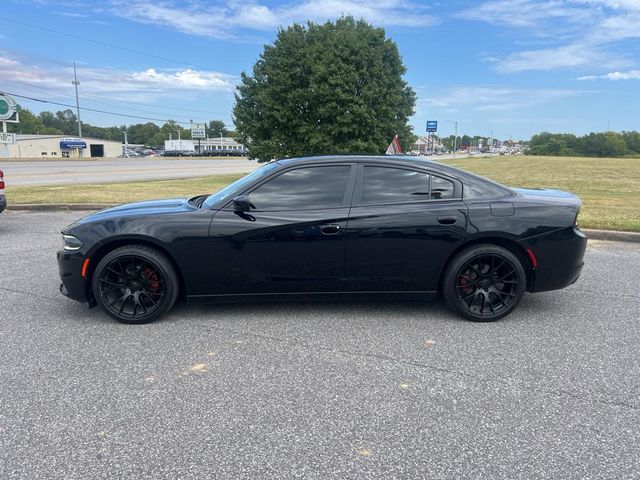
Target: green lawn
[
  {"x": 609, "y": 187},
  {"x": 118, "y": 192}
]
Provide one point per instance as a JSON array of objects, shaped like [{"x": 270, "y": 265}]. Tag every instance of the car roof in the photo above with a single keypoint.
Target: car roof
[{"x": 398, "y": 160}]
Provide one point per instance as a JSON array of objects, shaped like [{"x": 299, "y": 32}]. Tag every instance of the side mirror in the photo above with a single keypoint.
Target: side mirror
[{"x": 242, "y": 204}]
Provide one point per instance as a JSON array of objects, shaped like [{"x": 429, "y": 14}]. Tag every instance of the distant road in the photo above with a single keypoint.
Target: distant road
[
  {"x": 118, "y": 170},
  {"x": 60, "y": 172}
]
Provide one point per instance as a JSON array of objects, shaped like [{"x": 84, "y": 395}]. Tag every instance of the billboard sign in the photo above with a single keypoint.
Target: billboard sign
[
  {"x": 432, "y": 125},
  {"x": 198, "y": 130}
]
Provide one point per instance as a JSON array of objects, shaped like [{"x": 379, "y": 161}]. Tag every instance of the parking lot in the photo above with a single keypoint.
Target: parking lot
[{"x": 316, "y": 390}]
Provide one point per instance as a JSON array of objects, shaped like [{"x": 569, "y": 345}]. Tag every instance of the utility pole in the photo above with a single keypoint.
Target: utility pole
[
  {"x": 126, "y": 144},
  {"x": 455, "y": 137},
  {"x": 76, "y": 83}
]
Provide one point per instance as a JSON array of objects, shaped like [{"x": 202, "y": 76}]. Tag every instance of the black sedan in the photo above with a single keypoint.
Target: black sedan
[{"x": 340, "y": 226}]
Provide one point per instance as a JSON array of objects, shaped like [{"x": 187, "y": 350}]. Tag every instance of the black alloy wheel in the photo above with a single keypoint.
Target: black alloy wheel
[
  {"x": 135, "y": 284},
  {"x": 484, "y": 283}
]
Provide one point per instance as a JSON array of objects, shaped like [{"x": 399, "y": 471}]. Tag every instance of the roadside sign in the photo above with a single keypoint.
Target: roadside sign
[
  {"x": 432, "y": 125},
  {"x": 9, "y": 138},
  {"x": 198, "y": 130},
  {"x": 8, "y": 108}
]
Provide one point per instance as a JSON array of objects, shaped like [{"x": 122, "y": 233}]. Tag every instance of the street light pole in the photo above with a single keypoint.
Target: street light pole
[{"x": 76, "y": 83}]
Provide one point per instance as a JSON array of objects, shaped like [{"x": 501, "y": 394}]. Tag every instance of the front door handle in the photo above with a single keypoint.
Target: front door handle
[
  {"x": 330, "y": 229},
  {"x": 447, "y": 220}
]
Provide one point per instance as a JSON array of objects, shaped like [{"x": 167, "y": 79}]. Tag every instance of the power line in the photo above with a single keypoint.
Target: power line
[
  {"x": 99, "y": 42},
  {"x": 92, "y": 109},
  {"x": 57, "y": 90},
  {"x": 41, "y": 100}
]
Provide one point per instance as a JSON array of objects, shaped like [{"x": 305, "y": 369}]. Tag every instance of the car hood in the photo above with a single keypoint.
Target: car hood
[
  {"x": 559, "y": 196},
  {"x": 151, "y": 207}
]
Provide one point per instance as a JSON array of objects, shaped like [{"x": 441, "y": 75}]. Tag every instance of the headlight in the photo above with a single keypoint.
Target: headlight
[{"x": 71, "y": 243}]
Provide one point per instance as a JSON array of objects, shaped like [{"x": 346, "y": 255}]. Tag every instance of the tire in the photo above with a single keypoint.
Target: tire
[
  {"x": 135, "y": 284},
  {"x": 484, "y": 283}
]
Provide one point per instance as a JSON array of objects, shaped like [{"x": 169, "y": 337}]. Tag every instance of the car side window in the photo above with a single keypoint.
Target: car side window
[
  {"x": 303, "y": 189},
  {"x": 441, "y": 188},
  {"x": 393, "y": 185}
]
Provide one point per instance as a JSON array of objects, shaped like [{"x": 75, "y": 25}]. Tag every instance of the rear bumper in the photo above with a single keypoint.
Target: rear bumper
[
  {"x": 70, "y": 268},
  {"x": 3, "y": 203},
  {"x": 560, "y": 258}
]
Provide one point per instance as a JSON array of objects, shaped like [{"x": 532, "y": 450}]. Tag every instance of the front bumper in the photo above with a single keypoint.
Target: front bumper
[
  {"x": 3, "y": 203},
  {"x": 73, "y": 284},
  {"x": 560, "y": 258}
]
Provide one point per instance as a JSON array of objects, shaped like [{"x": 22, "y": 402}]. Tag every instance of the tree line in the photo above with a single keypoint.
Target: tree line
[
  {"x": 603, "y": 144},
  {"x": 65, "y": 122}
]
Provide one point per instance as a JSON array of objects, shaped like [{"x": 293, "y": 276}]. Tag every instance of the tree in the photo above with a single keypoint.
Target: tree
[
  {"x": 217, "y": 128},
  {"x": 324, "y": 89}
]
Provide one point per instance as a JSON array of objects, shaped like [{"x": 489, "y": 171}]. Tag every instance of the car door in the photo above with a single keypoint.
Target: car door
[
  {"x": 404, "y": 224},
  {"x": 291, "y": 240}
]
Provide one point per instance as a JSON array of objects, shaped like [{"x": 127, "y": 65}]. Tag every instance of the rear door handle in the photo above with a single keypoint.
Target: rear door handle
[
  {"x": 330, "y": 229},
  {"x": 447, "y": 220}
]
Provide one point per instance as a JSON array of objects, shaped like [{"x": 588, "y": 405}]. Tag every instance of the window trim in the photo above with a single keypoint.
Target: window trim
[
  {"x": 346, "y": 198},
  {"x": 357, "y": 198}
]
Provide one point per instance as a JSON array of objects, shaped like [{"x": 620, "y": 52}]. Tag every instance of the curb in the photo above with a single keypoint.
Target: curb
[
  {"x": 610, "y": 235},
  {"x": 52, "y": 207}
]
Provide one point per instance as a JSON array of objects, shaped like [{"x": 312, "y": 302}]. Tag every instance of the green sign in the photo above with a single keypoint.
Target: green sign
[{"x": 8, "y": 107}]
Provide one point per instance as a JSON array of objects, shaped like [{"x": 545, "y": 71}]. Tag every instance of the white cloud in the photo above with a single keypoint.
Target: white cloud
[
  {"x": 524, "y": 13},
  {"x": 223, "y": 21},
  {"x": 114, "y": 82},
  {"x": 584, "y": 31},
  {"x": 492, "y": 99},
  {"x": 575, "y": 55},
  {"x": 630, "y": 75},
  {"x": 71, "y": 14}
]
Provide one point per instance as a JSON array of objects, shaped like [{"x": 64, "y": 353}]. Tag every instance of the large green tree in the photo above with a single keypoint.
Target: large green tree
[{"x": 324, "y": 89}]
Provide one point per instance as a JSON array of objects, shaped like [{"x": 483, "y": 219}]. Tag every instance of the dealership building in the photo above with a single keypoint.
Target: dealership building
[{"x": 57, "y": 146}]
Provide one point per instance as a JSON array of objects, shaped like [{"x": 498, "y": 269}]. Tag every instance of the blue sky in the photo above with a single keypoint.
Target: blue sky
[{"x": 511, "y": 67}]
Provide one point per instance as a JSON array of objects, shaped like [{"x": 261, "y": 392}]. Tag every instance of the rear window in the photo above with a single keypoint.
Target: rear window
[
  {"x": 394, "y": 185},
  {"x": 441, "y": 188},
  {"x": 382, "y": 185}
]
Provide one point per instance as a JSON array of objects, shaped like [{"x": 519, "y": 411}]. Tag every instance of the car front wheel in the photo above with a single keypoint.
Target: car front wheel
[
  {"x": 135, "y": 284},
  {"x": 484, "y": 283}
]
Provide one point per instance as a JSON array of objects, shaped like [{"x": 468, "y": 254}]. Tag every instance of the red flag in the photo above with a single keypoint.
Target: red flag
[{"x": 394, "y": 147}]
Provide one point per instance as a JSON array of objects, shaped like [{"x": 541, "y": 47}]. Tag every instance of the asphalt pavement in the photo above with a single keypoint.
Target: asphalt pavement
[
  {"x": 62, "y": 172},
  {"x": 316, "y": 390}
]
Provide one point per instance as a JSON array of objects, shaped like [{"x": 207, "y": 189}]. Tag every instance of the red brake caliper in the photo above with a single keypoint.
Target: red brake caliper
[{"x": 153, "y": 279}]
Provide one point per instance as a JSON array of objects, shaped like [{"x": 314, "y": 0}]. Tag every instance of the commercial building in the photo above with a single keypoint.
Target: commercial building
[
  {"x": 425, "y": 145},
  {"x": 206, "y": 146},
  {"x": 57, "y": 146}
]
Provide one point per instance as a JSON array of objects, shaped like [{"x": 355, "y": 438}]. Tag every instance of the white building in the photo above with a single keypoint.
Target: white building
[
  {"x": 58, "y": 146},
  {"x": 424, "y": 144},
  {"x": 207, "y": 146}
]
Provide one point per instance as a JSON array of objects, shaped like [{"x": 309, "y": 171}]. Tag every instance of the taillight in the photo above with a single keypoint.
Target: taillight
[{"x": 1, "y": 180}]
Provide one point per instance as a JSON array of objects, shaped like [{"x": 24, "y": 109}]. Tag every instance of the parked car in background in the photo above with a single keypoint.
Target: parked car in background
[
  {"x": 322, "y": 226},
  {"x": 3, "y": 199}
]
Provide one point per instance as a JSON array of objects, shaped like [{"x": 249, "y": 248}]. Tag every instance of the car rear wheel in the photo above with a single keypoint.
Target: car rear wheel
[
  {"x": 484, "y": 283},
  {"x": 135, "y": 284}
]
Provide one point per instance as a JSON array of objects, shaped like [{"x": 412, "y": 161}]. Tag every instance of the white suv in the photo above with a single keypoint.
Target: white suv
[{"x": 3, "y": 200}]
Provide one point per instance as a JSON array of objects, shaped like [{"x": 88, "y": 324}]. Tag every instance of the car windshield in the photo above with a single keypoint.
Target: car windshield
[{"x": 227, "y": 191}]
